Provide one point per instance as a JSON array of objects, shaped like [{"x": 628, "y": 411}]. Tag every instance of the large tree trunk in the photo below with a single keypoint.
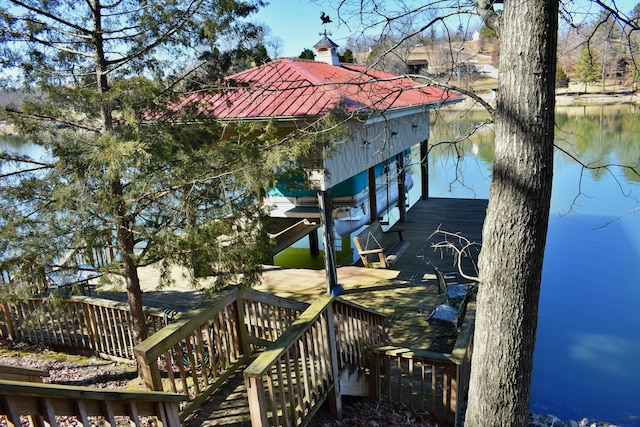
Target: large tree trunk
[
  {"x": 126, "y": 244},
  {"x": 515, "y": 228}
]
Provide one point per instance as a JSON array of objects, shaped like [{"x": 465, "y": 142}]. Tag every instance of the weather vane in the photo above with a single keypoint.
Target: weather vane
[{"x": 325, "y": 18}]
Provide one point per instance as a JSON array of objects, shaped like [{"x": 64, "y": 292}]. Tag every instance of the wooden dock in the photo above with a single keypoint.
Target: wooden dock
[
  {"x": 407, "y": 291},
  {"x": 404, "y": 292}
]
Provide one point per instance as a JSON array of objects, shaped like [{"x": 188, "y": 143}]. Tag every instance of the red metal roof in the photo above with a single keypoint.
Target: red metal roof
[{"x": 296, "y": 87}]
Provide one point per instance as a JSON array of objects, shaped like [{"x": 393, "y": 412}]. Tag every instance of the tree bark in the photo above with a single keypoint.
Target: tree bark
[
  {"x": 122, "y": 222},
  {"x": 515, "y": 229},
  {"x": 126, "y": 245}
]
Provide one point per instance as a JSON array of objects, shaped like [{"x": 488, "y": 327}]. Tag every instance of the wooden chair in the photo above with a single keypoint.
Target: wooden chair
[
  {"x": 372, "y": 241},
  {"x": 449, "y": 319},
  {"x": 453, "y": 293}
]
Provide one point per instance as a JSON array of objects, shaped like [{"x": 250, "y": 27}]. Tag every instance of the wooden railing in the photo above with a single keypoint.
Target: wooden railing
[
  {"x": 266, "y": 317},
  {"x": 83, "y": 323},
  {"x": 427, "y": 380},
  {"x": 96, "y": 256},
  {"x": 17, "y": 373},
  {"x": 289, "y": 381},
  {"x": 196, "y": 353},
  {"x": 36, "y": 404},
  {"x": 357, "y": 329}
]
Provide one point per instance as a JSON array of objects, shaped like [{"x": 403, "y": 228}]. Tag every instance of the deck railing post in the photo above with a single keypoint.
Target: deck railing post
[
  {"x": 334, "y": 397},
  {"x": 243, "y": 333},
  {"x": 257, "y": 400},
  {"x": 7, "y": 313},
  {"x": 375, "y": 391},
  {"x": 150, "y": 373}
]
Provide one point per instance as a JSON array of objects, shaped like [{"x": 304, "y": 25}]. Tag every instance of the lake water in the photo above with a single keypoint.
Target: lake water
[{"x": 587, "y": 357}]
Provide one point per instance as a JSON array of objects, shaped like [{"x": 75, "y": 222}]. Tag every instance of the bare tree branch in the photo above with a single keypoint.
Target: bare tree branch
[{"x": 460, "y": 247}]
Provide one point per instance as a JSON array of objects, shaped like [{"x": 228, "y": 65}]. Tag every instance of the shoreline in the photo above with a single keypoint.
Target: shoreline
[
  {"x": 563, "y": 99},
  {"x": 581, "y": 99},
  {"x": 537, "y": 420}
]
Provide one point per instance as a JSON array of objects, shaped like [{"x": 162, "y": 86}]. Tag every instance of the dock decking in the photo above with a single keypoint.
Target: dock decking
[{"x": 407, "y": 291}]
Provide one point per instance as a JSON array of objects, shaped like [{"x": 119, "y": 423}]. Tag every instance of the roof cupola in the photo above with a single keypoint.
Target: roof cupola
[{"x": 327, "y": 51}]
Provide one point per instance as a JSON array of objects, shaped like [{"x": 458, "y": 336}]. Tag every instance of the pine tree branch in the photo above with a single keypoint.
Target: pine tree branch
[{"x": 51, "y": 119}]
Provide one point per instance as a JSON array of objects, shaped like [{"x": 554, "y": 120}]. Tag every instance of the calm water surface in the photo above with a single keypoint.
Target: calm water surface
[{"x": 587, "y": 357}]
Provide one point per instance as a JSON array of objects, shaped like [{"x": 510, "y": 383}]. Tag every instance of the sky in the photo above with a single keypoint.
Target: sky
[
  {"x": 298, "y": 26},
  {"x": 297, "y": 23}
]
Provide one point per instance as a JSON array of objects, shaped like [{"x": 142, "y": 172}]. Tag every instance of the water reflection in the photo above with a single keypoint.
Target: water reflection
[
  {"x": 606, "y": 353},
  {"x": 600, "y": 135},
  {"x": 587, "y": 348}
]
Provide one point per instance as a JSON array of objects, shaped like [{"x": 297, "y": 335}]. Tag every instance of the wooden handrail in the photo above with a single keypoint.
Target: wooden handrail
[
  {"x": 197, "y": 353},
  {"x": 41, "y": 403},
  {"x": 159, "y": 343},
  {"x": 428, "y": 383},
  {"x": 357, "y": 328},
  {"x": 288, "y": 382},
  {"x": 267, "y": 316},
  {"x": 201, "y": 349},
  {"x": 79, "y": 323},
  {"x": 428, "y": 380},
  {"x": 265, "y": 360},
  {"x": 18, "y": 373}
]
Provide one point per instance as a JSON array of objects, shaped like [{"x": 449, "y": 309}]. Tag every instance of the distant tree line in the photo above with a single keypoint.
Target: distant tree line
[{"x": 597, "y": 49}]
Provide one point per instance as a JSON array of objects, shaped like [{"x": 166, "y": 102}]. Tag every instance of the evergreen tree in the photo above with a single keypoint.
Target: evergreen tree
[
  {"x": 346, "y": 57},
  {"x": 307, "y": 54},
  {"x": 587, "y": 69},
  {"x": 154, "y": 191},
  {"x": 260, "y": 55},
  {"x": 562, "y": 80}
]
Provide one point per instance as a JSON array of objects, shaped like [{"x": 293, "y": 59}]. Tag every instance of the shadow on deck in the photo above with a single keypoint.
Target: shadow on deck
[
  {"x": 406, "y": 293},
  {"x": 227, "y": 408},
  {"x": 408, "y": 290}
]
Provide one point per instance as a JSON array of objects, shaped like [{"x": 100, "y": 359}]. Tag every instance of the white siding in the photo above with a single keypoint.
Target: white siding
[{"x": 371, "y": 143}]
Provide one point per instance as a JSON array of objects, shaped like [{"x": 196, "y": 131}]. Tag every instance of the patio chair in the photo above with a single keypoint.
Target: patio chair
[
  {"x": 449, "y": 319},
  {"x": 454, "y": 293}
]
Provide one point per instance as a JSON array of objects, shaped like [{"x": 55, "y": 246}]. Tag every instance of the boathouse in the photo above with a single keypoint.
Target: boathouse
[{"x": 363, "y": 174}]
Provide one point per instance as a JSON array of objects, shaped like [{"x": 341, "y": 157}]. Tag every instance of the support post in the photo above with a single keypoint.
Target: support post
[
  {"x": 375, "y": 390},
  {"x": 243, "y": 334},
  {"x": 373, "y": 204},
  {"x": 335, "y": 395},
  {"x": 424, "y": 169},
  {"x": 257, "y": 401},
  {"x": 8, "y": 321},
  {"x": 402, "y": 200},
  {"x": 150, "y": 373},
  {"x": 314, "y": 246},
  {"x": 324, "y": 203}
]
